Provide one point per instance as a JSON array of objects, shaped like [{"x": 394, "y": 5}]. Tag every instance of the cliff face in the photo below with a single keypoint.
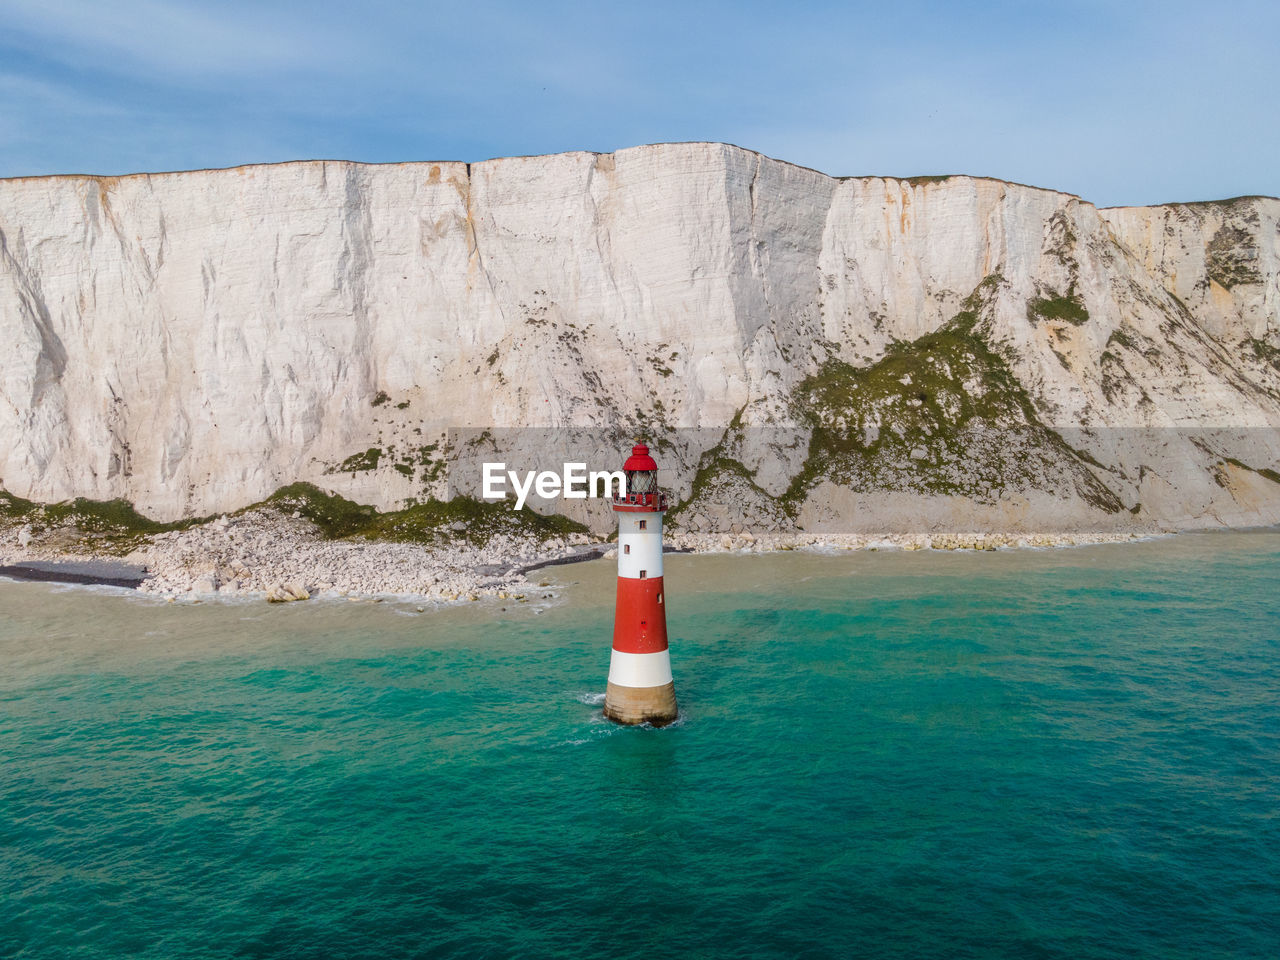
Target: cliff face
[{"x": 192, "y": 341}]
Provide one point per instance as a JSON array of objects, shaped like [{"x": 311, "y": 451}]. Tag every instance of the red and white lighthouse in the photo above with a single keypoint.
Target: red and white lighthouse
[{"x": 640, "y": 685}]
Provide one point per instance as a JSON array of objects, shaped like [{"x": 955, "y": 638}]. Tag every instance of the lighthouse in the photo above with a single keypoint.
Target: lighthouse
[{"x": 640, "y": 685}]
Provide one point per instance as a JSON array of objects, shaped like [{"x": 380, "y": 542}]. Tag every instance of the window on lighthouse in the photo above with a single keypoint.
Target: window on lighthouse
[
  {"x": 642, "y": 523},
  {"x": 643, "y": 574},
  {"x": 626, "y": 548}
]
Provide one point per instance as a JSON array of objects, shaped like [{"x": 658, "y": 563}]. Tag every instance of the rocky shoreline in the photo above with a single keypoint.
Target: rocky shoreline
[{"x": 266, "y": 554}]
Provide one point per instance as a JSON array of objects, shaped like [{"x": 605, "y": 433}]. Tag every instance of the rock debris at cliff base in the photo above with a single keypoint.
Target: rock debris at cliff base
[{"x": 267, "y": 555}]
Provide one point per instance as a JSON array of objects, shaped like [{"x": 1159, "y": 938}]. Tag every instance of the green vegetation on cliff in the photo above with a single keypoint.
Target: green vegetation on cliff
[
  {"x": 11, "y": 506},
  {"x": 462, "y": 518},
  {"x": 943, "y": 414},
  {"x": 115, "y": 526},
  {"x": 358, "y": 462},
  {"x": 1068, "y": 309},
  {"x": 1233, "y": 256}
]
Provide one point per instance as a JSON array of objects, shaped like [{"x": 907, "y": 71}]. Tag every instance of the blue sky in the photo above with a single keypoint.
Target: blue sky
[{"x": 1119, "y": 102}]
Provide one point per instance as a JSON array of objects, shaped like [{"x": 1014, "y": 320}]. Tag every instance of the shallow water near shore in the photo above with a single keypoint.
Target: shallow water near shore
[{"x": 1058, "y": 753}]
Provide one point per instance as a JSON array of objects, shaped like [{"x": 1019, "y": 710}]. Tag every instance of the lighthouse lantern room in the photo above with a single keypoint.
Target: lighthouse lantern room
[{"x": 641, "y": 689}]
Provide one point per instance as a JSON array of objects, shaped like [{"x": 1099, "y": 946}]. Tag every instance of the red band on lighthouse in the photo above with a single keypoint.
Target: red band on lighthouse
[
  {"x": 640, "y": 684},
  {"x": 639, "y": 626}
]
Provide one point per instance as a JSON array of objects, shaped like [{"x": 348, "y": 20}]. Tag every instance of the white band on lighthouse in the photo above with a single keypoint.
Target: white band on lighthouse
[
  {"x": 640, "y": 549},
  {"x": 640, "y": 669},
  {"x": 644, "y": 555}
]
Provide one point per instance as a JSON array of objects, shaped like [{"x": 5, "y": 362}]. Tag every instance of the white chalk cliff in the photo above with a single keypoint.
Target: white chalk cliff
[{"x": 193, "y": 341}]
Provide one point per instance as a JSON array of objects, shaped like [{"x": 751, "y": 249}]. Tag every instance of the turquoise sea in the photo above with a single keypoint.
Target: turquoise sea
[{"x": 1066, "y": 753}]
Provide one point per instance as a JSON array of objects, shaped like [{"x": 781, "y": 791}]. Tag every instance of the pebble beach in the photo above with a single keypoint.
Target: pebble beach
[{"x": 276, "y": 557}]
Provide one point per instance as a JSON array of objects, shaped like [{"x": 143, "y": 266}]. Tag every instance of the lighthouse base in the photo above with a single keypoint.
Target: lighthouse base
[{"x": 632, "y": 705}]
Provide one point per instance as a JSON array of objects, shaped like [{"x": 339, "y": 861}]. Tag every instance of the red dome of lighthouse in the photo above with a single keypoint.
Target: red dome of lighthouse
[{"x": 639, "y": 459}]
